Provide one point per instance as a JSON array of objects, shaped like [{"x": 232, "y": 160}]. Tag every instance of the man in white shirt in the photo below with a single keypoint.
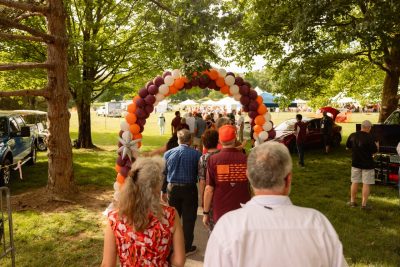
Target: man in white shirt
[
  {"x": 269, "y": 230},
  {"x": 191, "y": 122}
]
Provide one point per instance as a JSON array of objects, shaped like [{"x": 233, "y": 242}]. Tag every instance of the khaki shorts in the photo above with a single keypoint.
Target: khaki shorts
[
  {"x": 362, "y": 175},
  {"x": 196, "y": 141}
]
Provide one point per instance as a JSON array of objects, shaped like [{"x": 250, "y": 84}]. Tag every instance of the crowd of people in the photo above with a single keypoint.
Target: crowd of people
[{"x": 244, "y": 200}]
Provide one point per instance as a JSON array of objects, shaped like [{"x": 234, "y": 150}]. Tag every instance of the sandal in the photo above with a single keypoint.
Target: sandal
[{"x": 352, "y": 204}]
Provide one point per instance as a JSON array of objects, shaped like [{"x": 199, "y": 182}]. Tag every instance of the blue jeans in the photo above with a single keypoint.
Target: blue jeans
[{"x": 300, "y": 151}]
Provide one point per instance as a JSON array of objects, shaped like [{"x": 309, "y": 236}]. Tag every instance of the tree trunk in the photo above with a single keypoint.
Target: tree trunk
[
  {"x": 60, "y": 175},
  {"x": 85, "y": 131},
  {"x": 390, "y": 84}
]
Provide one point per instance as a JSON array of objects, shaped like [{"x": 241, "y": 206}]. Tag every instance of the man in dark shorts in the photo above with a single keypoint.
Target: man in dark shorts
[
  {"x": 300, "y": 130},
  {"x": 326, "y": 130},
  {"x": 227, "y": 185},
  {"x": 175, "y": 122}
]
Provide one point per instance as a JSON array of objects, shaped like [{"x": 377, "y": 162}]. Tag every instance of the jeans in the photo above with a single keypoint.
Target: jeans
[
  {"x": 300, "y": 151},
  {"x": 185, "y": 200}
]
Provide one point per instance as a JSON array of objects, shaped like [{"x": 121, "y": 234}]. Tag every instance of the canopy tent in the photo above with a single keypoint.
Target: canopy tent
[
  {"x": 188, "y": 102},
  {"x": 162, "y": 106},
  {"x": 209, "y": 103},
  {"x": 229, "y": 103},
  {"x": 259, "y": 90},
  {"x": 299, "y": 101},
  {"x": 268, "y": 100},
  {"x": 346, "y": 100}
]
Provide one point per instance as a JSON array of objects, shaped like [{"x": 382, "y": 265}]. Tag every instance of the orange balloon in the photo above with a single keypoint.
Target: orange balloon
[
  {"x": 137, "y": 136},
  {"x": 257, "y": 129},
  {"x": 259, "y": 99},
  {"x": 117, "y": 168},
  {"x": 225, "y": 89},
  {"x": 262, "y": 109},
  {"x": 120, "y": 178},
  {"x": 131, "y": 118},
  {"x": 259, "y": 120},
  {"x": 136, "y": 97},
  {"x": 213, "y": 74},
  {"x": 185, "y": 79},
  {"x": 134, "y": 129},
  {"x": 173, "y": 90},
  {"x": 220, "y": 82},
  {"x": 179, "y": 83},
  {"x": 131, "y": 108}
]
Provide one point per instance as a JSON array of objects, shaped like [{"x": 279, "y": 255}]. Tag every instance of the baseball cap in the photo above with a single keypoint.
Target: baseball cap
[{"x": 227, "y": 133}]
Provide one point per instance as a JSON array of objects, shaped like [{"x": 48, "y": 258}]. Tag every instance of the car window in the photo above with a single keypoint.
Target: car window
[
  {"x": 286, "y": 125},
  {"x": 20, "y": 122},
  {"x": 14, "y": 126},
  {"x": 314, "y": 124},
  {"x": 3, "y": 126}
]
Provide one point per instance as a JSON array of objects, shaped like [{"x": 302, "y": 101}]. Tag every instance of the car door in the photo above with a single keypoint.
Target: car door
[
  {"x": 314, "y": 133},
  {"x": 16, "y": 142},
  {"x": 27, "y": 140}
]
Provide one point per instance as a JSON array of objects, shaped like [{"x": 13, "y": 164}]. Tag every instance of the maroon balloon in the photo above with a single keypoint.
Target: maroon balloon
[
  {"x": 141, "y": 122},
  {"x": 247, "y": 83},
  {"x": 121, "y": 161},
  {"x": 230, "y": 73},
  {"x": 120, "y": 133},
  {"x": 245, "y": 108},
  {"x": 143, "y": 92},
  {"x": 212, "y": 85},
  {"x": 195, "y": 81},
  {"x": 188, "y": 85},
  {"x": 166, "y": 73},
  {"x": 150, "y": 100},
  {"x": 140, "y": 113},
  {"x": 202, "y": 85},
  {"x": 140, "y": 103},
  {"x": 244, "y": 89},
  {"x": 239, "y": 81},
  {"x": 158, "y": 81},
  {"x": 252, "y": 123},
  {"x": 148, "y": 84},
  {"x": 141, "y": 128},
  {"x": 153, "y": 89},
  {"x": 253, "y": 105},
  {"x": 149, "y": 109},
  {"x": 271, "y": 134},
  {"x": 124, "y": 171},
  {"x": 253, "y": 94},
  {"x": 204, "y": 80},
  {"x": 244, "y": 100},
  {"x": 253, "y": 114}
]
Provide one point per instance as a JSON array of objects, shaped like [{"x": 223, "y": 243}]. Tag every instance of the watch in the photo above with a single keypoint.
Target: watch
[{"x": 206, "y": 212}]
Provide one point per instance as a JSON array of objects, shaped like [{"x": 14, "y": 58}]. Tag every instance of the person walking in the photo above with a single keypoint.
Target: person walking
[
  {"x": 200, "y": 127},
  {"x": 240, "y": 125},
  {"x": 181, "y": 172},
  {"x": 269, "y": 230},
  {"x": 227, "y": 185},
  {"x": 363, "y": 147},
  {"x": 161, "y": 123},
  {"x": 326, "y": 130},
  {"x": 175, "y": 122},
  {"x": 300, "y": 130},
  {"x": 143, "y": 232}
]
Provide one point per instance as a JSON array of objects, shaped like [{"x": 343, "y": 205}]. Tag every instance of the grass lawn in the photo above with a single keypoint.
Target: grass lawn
[{"x": 62, "y": 234}]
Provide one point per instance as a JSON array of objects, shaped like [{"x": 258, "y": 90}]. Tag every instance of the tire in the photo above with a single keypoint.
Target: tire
[
  {"x": 5, "y": 173},
  {"x": 32, "y": 155},
  {"x": 336, "y": 140},
  {"x": 41, "y": 145}
]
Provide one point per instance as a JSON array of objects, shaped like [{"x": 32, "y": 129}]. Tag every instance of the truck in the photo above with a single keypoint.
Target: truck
[
  {"x": 387, "y": 161},
  {"x": 17, "y": 144},
  {"x": 111, "y": 109}
]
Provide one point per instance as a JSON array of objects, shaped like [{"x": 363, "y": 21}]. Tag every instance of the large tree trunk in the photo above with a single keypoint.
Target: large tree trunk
[
  {"x": 85, "y": 131},
  {"x": 391, "y": 83},
  {"x": 61, "y": 175}
]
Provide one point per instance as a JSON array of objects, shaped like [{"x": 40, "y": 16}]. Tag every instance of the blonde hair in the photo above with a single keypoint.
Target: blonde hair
[{"x": 140, "y": 194}]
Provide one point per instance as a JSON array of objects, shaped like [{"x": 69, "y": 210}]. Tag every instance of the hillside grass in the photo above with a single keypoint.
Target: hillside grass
[{"x": 74, "y": 237}]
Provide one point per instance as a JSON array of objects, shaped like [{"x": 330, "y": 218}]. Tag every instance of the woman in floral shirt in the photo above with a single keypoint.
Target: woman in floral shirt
[{"x": 143, "y": 232}]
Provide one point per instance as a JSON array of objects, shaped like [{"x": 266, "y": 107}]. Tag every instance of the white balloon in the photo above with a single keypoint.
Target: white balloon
[
  {"x": 263, "y": 136},
  {"x": 116, "y": 196},
  {"x": 237, "y": 97},
  {"x": 116, "y": 186},
  {"x": 257, "y": 143},
  {"x": 230, "y": 80},
  {"x": 222, "y": 73},
  {"x": 160, "y": 96},
  {"x": 127, "y": 136},
  {"x": 267, "y": 116},
  {"x": 124, "y": 125},
  {"x": 267, "y": 126},
  {"x": 234, "y": 89},
  {"x": 176, "y": 74},
  {"x": 164, "y": 89},
  {"x": 168, "y": 81}
]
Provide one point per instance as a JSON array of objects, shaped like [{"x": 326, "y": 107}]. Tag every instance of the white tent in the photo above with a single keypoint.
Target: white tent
[
  {"x": 188, "y": 102},
  {"x": 259, "y": 90},
  {"x": 299, "y": 101},
  {"x": 345, "y": 100},
  {"x": 229, "y": 103},
  {"x": 209, "y": 103},
  {"x": 162, "y": 106}
]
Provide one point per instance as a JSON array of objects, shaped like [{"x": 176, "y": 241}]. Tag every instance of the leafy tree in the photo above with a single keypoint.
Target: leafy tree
[{"x": 307, "y": 40}]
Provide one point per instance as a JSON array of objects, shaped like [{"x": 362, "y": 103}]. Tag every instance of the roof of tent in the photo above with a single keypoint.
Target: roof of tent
[
  {"x": 228, "y": 101},
  {"x": 209, "y": 103},
  {"x": 188, "y": 102}
]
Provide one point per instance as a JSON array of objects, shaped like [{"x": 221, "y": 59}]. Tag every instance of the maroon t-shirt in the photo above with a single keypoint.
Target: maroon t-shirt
[
  {"x": 175, "y": 123},
  {"x": 226, "y": 172},
  {"x": 300, "y": 129}
]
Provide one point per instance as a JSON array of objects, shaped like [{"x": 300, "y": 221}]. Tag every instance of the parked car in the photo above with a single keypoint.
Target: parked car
[
  {"x": 285, "y": 133},
  {"x": 37, "y": 119},
  {"x": 101, "y": 111},
  {"x": 17, "y": 143}
]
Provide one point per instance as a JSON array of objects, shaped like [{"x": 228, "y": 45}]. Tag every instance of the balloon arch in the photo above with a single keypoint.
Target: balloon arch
[{"x": 171, "y": 82}]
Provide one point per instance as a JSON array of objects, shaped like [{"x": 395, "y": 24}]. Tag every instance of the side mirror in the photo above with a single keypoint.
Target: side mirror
[{"x": 25, "y": 131}]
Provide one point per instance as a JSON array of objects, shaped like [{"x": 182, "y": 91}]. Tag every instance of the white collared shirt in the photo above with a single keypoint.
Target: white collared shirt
[{"x": 271, "y": 231}]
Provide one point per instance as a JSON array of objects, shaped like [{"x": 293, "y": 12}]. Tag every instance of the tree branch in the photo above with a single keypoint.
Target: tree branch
[
  {"x": 29, "y": 92},
  {"x": 21, "y": 37},
  {"x": 25, "y": 65},
  {"x": 24, "y": 6},
  {"x": 34, "y": 32},
  {"x": 380, "y": 65},
  {"x": 163, "y": 7},
  {"x": 27, "y": 15}
]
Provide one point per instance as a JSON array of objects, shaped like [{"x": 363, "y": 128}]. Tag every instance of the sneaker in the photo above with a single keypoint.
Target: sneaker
[
  {"x": 192, "y": 250},
  {"x": 351, "y": 204},
  {"x": 366, "y": 207}
]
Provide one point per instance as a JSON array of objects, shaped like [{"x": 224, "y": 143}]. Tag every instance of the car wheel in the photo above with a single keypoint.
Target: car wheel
[
  {"x": 337, "y": 138},
  {"x": 32, "y": 156},
  {"x": 41, "y": 146},
  {"x": 5, "y": 172}
]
